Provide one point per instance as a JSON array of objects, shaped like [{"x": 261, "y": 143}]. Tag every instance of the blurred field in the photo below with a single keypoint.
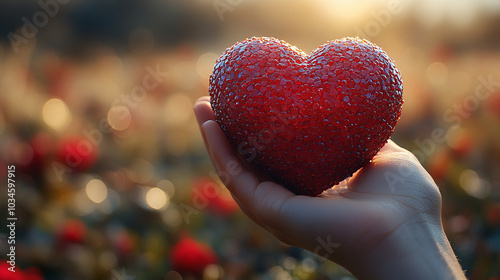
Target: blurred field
[{"x": 111, "y": 173}]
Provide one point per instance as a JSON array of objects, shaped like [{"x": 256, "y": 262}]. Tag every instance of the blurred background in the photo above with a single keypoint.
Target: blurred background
[{"x": 113, "y": 181}]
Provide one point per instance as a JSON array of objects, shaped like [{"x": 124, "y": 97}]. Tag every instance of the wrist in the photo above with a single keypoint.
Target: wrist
[{"x": 413, "y": 251}]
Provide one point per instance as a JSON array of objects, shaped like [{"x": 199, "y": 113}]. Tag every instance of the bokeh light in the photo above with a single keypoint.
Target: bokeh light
[
  {"x": 96, "y": 190},
  {"x": 473, "y": 184},
  {"x": 213, "y": 272},
  {"x": 56, "y": 114},
  {"x": 156, "y": 198},
  {"x": 119, "y": 117},
  {"x": 124, "y": 165},
  {"x": 309, "y": 264},
  {"x": 289, "y": 263},
  {"x": 205, "y": 65}
]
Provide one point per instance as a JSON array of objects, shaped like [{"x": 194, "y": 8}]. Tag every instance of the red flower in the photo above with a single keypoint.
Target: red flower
[
  {"x": 73, "y": 231},
  {"x": 6, "y": 274},
  {"x": 191, "y": 257}
]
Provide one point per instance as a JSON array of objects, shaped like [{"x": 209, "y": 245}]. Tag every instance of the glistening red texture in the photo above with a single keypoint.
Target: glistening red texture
[{"x": 309, "y": 121}]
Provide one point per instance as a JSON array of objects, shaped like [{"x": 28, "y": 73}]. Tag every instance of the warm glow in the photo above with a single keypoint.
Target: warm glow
[
  {"x": 56, "y": 114},
  {"x": 348, "y": 12},
  {"x": 96, "y": 190},
  {"x": 2, "y": 123},
  {"x": 437, "y": 74},
  {"x": 205, "y": 64},
  {"x": 178, "y": 109},
  {"x": 460, "y": 13},
  {"x": 156, "y": 198},
  {"x": 213, "y": 271}
]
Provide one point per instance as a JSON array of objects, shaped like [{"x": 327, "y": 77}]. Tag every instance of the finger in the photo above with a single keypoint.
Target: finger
[
  {"x": 247, "y": 212},
  {"x": 304, "y": 219},
  {"x": 269, "y": 206},
  {"x": 237, "y": 178},
  {"x": 203, "y": 111},
  {"x": 262, "y": 200}
]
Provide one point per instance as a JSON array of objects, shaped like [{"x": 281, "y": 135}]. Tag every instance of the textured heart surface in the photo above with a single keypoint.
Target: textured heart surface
[{"x": 309, "y": 121}]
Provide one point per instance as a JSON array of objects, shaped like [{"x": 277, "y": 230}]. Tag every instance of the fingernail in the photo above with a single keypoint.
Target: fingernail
[
  {"x": 204, "y": 131},
  {"x": 204, "y": 134},
  {"x": 202, "y": 99},
  {"x": 207, "y": 141}
]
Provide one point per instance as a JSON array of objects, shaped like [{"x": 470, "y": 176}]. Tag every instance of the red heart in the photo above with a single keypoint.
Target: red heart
[{"x": 309, "y": 121}]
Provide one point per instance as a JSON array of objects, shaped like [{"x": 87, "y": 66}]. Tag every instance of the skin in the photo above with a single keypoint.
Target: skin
[{"x": 382, "y": 223}]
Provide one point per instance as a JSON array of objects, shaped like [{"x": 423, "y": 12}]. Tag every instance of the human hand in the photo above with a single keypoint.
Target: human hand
[{"x": 382, "y": 223}]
